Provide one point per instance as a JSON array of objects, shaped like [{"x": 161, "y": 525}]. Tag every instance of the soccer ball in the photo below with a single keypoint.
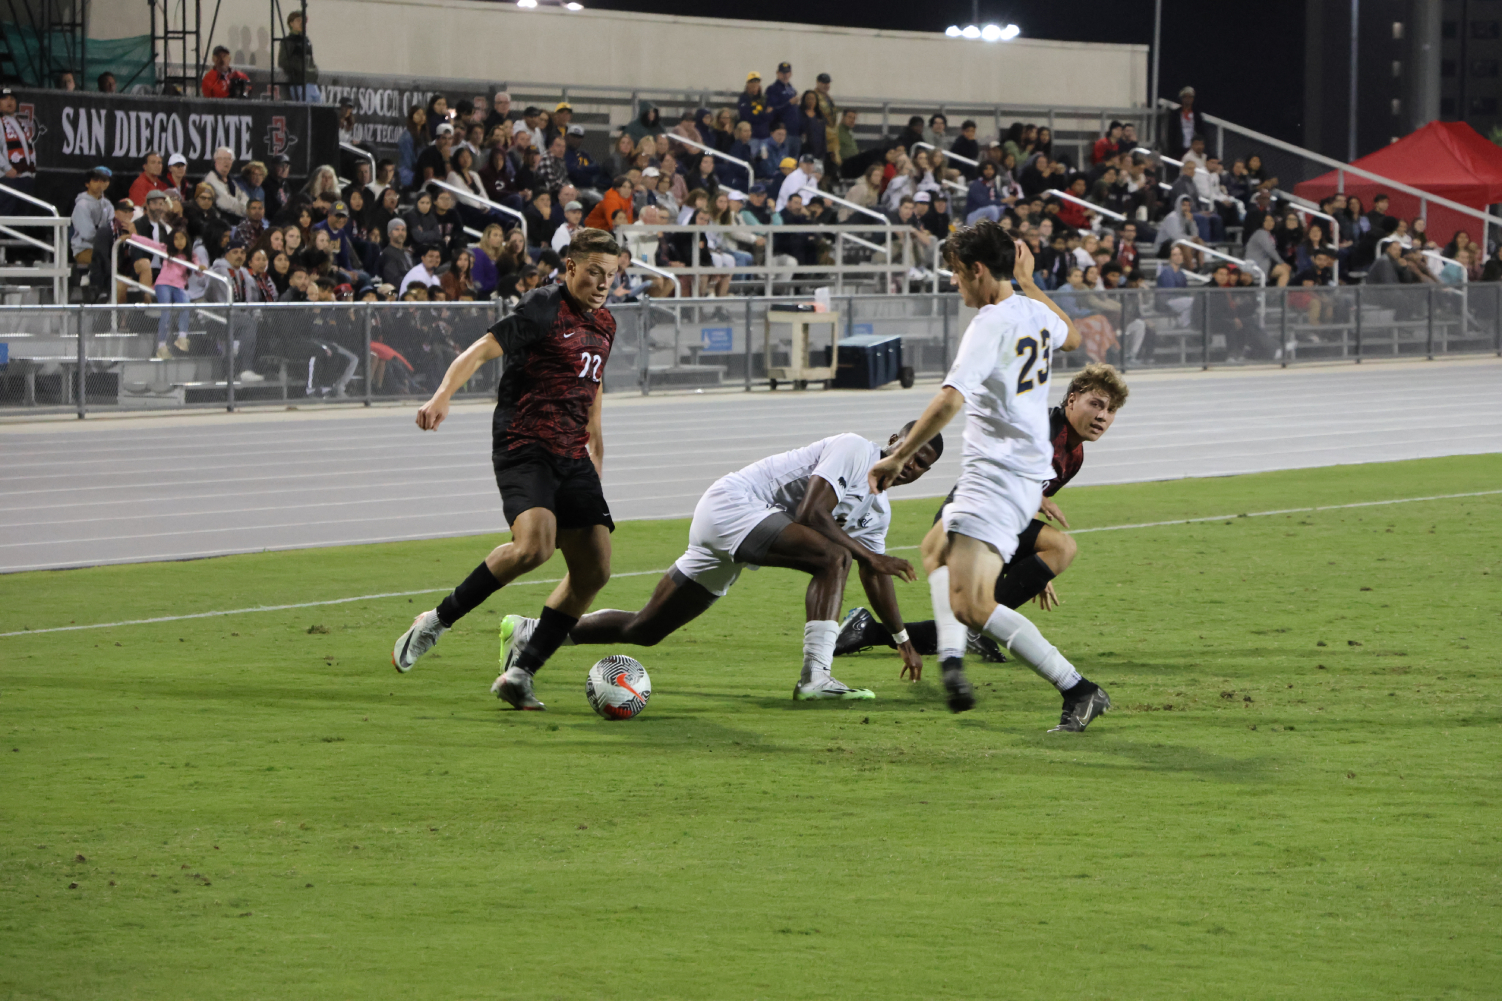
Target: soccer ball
[{"x": 618, "y": 687}]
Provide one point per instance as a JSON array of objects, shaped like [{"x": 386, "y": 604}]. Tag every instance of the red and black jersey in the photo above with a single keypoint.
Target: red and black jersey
[
  {"x": 555, "y": 357},
  {"x": 1066, "y": 461}
]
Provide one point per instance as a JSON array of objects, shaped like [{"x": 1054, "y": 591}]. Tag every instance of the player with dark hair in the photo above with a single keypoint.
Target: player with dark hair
[
  {"x": 548, "y": 451},
  {"x": 810, "y": 510},
  {"x": 1043, "y": 551},
  {"x": 1000, "y": 378}
]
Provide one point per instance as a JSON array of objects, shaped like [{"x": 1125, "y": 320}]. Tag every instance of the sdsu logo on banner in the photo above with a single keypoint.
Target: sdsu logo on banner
[{"x": 278, "y": 139}]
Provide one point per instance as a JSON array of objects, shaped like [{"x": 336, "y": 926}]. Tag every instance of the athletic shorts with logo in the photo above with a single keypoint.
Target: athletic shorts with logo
[{"x": 531, "y": 476}]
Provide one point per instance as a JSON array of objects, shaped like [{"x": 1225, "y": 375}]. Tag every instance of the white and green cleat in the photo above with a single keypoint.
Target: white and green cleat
[{"x": 829, "y": 688}]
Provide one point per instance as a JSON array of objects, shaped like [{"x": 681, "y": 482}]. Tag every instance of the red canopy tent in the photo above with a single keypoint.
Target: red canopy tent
[{"x": 1448, "y": 159}]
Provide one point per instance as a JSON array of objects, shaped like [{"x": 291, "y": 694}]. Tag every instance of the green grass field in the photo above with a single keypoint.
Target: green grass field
[{"x": 1297, "y": 796}]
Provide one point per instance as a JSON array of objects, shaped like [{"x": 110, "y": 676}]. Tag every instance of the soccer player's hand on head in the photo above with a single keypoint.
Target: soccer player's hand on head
[
  {"x": 1048, "y": 600},
  {"x": 1051, "y": 511},
  {"x": 432, "y": 413},
  {"x": 893, "y": 567},
  {"x": 912, "y": 663},
  {"x": 1023, "y": 270}
]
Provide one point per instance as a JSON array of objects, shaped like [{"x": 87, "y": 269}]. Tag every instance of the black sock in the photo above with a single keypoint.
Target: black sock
[
  {"x": 952, "y": 664},
  {"x": 1023, "y": 583},
  {"x": 924, "y": 636},
  {"x": 1079, "y": 690},
  {"x": 468, "y": 596},
  {"x": 552, "y": 629}
]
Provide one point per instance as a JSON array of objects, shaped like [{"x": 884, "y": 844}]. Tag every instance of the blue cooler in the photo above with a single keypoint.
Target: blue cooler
[{"x": 868, "y": 362}]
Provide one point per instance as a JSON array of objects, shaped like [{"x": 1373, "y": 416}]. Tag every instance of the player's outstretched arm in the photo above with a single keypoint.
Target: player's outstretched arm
[
  {"x": 1023, "y": 272},
  {"x": 463, "y": 368},
  {"x": 817, "y": 512},
  {"x": 883, "y": 598},
  {"x": 939, "y": 412}
]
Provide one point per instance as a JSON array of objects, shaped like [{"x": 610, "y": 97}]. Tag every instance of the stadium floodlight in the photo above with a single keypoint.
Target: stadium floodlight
[
  {"x": 990, "y": 33},
  {"x": 953, "y": 31},
  {"x": 574, "y": 6},
  {"x": 970, "y": 31},
  {"x": 1010, "y": 32},
  {"x": 529, "y": 4}
]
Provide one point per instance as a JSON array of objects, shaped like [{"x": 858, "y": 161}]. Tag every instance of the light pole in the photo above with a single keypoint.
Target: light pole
[{"x": 1351, "y": 126}]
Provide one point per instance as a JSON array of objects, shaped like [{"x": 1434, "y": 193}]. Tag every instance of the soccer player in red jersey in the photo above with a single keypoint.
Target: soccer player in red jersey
[
  {"x": 1043, "y": 551},
  {"x": 548, "y": 452}
]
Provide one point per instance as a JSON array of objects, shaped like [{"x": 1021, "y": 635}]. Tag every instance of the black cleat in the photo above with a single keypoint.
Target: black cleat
[
  {"x": 959, "y": 692},
  {"x": 984, "y": 647},
  {"x": 860, "y": 631},
  {"x": 1090, "y": 701}
]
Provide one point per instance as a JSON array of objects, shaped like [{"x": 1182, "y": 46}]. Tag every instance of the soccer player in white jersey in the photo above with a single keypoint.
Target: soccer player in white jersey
[
  {"x": 811, "y": 510},
  {"x": 1000, "y": 379}
]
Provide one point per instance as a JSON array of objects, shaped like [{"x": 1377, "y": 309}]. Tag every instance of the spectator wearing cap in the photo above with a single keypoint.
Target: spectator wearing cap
[
  {"x": 657, "y": 189},
  {"x": 1181, "y": 125},
  {"x": 337, "y": 226},
  {"x": 752, "y": 107},
  {"x": 91, "y": 210},
  {"x": 782, "y": 98},
  {"x": 150, "y": 179},
  {"x": 295, "y": 58},
  {"x": 152, "y": 225},
  {"x": 757, "y": 210},
  {"x": 395, "y": 260},
  {"x": 800, "y": 180},
  {"x": 216, "y": 81},
  {"x": 177, "y": 178},
  {"x": 827, "y": 110},
  {"x": 573, "y": 220},
  {"x": 434, "y": 162},
  {"x": 581, "y": 167},
  {"x": 228, "y": 198},
  {"x": 120, "y": 224},
  {"x": 563, "y": 115}
]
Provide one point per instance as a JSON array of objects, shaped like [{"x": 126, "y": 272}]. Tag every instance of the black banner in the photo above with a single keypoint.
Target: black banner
[{"x": 74, "y": 130}]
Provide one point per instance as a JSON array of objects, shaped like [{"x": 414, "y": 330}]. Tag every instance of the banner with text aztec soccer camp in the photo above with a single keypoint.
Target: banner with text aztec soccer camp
[{"x": 75, "y": 130}]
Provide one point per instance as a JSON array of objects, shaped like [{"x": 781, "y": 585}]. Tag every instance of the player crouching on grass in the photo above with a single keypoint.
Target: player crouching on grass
[
  {"x": 1000, "y": 378},
  {"x": 1043, "y": 552},
  {"x": 548, "y": 451},
  {"x": 809, "y": 510}
]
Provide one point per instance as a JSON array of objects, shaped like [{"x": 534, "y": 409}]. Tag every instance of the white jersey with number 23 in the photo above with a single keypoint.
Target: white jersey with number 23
[{"x": 1002, "y": 370}]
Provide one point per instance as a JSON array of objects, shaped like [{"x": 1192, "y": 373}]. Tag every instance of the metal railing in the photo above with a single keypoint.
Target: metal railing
[
  {"x": 58, "y": 269},
  {"x": 471, "y": 196},
  {"x": 897, "y": 254},
  {"x": 750, "y": 174},
  {"x": 1088, "y": 205},
  {"x": 135, "y": 240},
  {"x": 1222, "y": 255},
  {"x": 83, "y": 359}
]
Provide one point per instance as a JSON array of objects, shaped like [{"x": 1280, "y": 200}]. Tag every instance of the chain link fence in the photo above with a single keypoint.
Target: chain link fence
[{"x": 147, "y": 357}]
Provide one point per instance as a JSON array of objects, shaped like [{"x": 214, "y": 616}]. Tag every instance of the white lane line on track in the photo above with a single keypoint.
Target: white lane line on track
[{"x": 642, "y": 573}]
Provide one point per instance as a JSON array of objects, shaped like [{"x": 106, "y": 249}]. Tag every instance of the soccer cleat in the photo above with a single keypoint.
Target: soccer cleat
[
  {"x": 515, "y": 686},
  {"x": 1079, "y": 711},
  {"x": 984, "y": 647},
  {"x": 958, "y": 691},
  {"x": 417, "y": 641},
  {"x": 516, "y": 630},
  {"x": 829, "y": 688},
  {"x": 856, "y": 633}
]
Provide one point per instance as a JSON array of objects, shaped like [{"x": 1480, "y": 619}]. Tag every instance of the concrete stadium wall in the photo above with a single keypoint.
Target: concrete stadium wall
[{"x": 468, "y": 39}]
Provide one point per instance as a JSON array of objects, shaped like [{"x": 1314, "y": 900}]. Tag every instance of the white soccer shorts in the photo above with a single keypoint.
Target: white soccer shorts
[
  {"x": 723, "y": 518},
  {"x": 994, "y": 505}
]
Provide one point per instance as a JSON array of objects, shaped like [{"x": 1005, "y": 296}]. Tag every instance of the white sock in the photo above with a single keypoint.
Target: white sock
[
  {"x": 1022, "y": 639},
  {"x": 950, "y": 629},
  {"x": 818, "y": 649}
]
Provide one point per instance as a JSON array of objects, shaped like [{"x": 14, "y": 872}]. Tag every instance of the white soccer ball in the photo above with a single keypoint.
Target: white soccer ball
[{"x": 618, "y": 687}]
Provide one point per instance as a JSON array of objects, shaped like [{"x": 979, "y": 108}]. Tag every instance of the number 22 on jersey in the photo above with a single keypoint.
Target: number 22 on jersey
[
  {"x": 588, "y": 361},
  {"x": 1031, "y": 347}
]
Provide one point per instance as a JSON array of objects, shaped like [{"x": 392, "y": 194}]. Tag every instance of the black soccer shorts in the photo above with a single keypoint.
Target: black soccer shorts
[{"x": 531, "y": 476}]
